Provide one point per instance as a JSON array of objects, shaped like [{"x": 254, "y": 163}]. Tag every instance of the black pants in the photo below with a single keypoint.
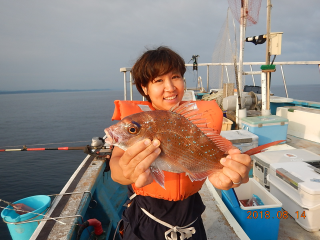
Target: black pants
[{"x": 157, "y": 230}]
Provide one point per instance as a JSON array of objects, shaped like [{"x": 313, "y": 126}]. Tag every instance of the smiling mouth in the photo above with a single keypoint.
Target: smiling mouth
[{"x": 170, "y": 98}]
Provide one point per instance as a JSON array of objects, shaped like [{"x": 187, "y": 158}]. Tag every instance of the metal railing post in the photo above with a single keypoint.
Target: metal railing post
[
  {"x": 125, "y": 86},
  {"x": 284, "y": 81},
  {"x": 227, "y": 73},
  {"x": 254, "y": 83},
  {"x": 130, "y": 86},
  {"x": 207, "y": 78}
]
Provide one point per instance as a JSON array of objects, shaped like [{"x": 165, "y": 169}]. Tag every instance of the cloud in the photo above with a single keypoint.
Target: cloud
[{"x": 83, "y": 44}]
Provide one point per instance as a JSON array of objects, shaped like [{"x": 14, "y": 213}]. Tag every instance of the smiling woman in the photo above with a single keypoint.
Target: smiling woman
[
  {"x": 151, "y": 67},
  {"x": 154, "y": 211},
  {"x": 165, "y": 91}
]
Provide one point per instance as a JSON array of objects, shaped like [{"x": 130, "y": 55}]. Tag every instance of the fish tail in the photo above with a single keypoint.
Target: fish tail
[{"x": 262, "y": 147}]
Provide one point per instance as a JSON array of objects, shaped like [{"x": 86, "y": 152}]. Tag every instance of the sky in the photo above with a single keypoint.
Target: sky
[{"x": 82, "y": 44}]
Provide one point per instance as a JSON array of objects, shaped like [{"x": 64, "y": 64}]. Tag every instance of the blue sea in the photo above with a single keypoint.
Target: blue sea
[{"x": 59, "y": 119}]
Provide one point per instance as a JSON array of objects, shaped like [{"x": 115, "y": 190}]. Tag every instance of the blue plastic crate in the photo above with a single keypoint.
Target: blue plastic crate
[
  {"x": 258, "y": 222},
  {"x": 267, "y": 128}
]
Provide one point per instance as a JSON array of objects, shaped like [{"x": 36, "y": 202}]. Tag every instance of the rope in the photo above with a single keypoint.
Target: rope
[
  {"x": 115, "y": 232},
  {"x": 185, "y": 232},
  {"x": 29, "y": 220},
  {"x": 61, "y": 194},
  {"x": 44, "y": 219}
]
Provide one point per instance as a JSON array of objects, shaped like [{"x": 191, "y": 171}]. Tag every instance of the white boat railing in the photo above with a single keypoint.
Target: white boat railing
[{"x": 250, "y": 64}]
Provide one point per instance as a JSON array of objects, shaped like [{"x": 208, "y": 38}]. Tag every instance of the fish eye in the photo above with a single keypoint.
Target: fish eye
[{"x": 133, "y": 129}]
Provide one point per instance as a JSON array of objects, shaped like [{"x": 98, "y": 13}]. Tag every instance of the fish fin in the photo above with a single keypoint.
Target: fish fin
[
  {"x": 190, "y": 111},
  {"x": 194, "y": 116},
  {"x": 262, "y": 147},
  {"x": 201, "y": 125},
  {"x": 184, "y": 107},
  {"x": 158, "y": 176},
  {"x": 189, "y": 114},
  {"x": 200, "y": 120},
  {"x": 200, "y": 175},
  {"x": 174, "y": 107},
  {"x": 222, "y": 143}
]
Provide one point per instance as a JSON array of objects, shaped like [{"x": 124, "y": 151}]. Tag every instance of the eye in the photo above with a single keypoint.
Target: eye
[
  {"x": 132, "y": 130},
  {"x": 133, "y": 127},
  {"x": 157, "y": 80},
  {"x": 176, "y": 76}
]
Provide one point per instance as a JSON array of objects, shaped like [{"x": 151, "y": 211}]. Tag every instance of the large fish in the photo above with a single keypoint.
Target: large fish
[{"x": 186, "y": 144}]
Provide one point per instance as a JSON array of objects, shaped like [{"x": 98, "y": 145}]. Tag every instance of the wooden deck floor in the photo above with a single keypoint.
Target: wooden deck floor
[{"x": 302, "y": 143}]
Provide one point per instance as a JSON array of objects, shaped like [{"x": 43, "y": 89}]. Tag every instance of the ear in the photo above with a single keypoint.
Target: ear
[{"x": 145, "y": 90}]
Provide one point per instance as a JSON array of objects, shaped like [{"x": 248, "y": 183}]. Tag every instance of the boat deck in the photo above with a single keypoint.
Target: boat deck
[
  {"x": 218, "y": 221},
  {"x": 289, "y": 228},
  {"x": 219, "y": 225},
  {"x": 302, "y": 143}
]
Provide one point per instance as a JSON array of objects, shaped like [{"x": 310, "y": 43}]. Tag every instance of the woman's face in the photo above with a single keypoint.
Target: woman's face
[{"x": 166, "y": 90}]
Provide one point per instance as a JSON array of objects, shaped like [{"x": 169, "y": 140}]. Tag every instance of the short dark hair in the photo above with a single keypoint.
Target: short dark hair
[{"x": 154, "y": 63}]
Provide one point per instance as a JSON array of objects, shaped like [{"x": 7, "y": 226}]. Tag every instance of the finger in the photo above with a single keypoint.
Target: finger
[
  {"x": 234, "y": 150},
  {"x": 227, "y": 183},
  {"x": 242, "y": 169},
  {"x": 138, "y": 152},
  {"x": 144, "y": 179},
  {"x": 234, "y": 177},
  {"x": 222, "y": 181},
  {"x": 137, "y": 167},
  {"x": 219, "y": 180},
  {"x": 134, "y": 150},
  {"x": 143, "y": 165},
  {"x": 241, "y": 158},
  {"x": 148, "y": 151}
]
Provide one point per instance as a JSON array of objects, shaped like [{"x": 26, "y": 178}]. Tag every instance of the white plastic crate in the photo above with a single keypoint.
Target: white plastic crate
[
  {"x": 262, "y": 161},
  {"x": 306, "y": 216},
  {"x": 298, "y": 180},
  {"x": 242, "y": 139},
  {"x": 303, "y": 121}
]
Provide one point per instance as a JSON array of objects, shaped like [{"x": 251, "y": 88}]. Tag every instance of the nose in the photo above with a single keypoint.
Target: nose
[{"x": 169, "y": 85}]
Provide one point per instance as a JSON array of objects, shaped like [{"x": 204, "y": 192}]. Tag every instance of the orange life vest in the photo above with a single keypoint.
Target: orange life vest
[{"x": 178, "y": 185}]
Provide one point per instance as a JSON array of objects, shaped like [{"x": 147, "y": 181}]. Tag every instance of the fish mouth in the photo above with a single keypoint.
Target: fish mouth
[{"x": 111, "y": 139}]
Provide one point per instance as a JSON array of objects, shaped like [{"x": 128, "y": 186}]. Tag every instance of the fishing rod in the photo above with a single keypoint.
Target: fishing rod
[
  {"x": 25, "y": 148},
  {"x": 97, "y": 143}
]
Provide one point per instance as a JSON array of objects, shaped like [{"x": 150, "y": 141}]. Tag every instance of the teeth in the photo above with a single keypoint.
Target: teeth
[{"x": 170, "y": 98}]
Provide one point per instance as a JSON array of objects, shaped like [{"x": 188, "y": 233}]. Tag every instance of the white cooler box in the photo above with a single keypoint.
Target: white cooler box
[
  {"x": 303, "y": 121},
  {"x": 297, "y": 186},
  {"x": 242, "y": 139},
  {"x": 262, "y": 161}
]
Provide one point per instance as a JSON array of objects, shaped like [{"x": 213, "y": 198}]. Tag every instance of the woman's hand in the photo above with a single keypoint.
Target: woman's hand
[
  {"x": 235, "y": 171},
  {"x": 132, "y": 165}
]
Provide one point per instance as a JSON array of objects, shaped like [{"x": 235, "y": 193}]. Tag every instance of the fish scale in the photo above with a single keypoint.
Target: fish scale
[
  {"x": 186, "y": 144},
  {"x": 184, "y": 147}
]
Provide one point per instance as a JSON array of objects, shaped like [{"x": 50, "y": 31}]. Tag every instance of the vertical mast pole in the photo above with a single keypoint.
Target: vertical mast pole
[
  {"x": 241, "y": 112},
  {"x": 268, "y": 32},
  {"x": 268, "y": 51},
  {"x": 243, "y": 19}
]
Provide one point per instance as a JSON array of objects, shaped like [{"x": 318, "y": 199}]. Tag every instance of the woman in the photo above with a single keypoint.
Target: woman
[{"x": 158, "y": 75}]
